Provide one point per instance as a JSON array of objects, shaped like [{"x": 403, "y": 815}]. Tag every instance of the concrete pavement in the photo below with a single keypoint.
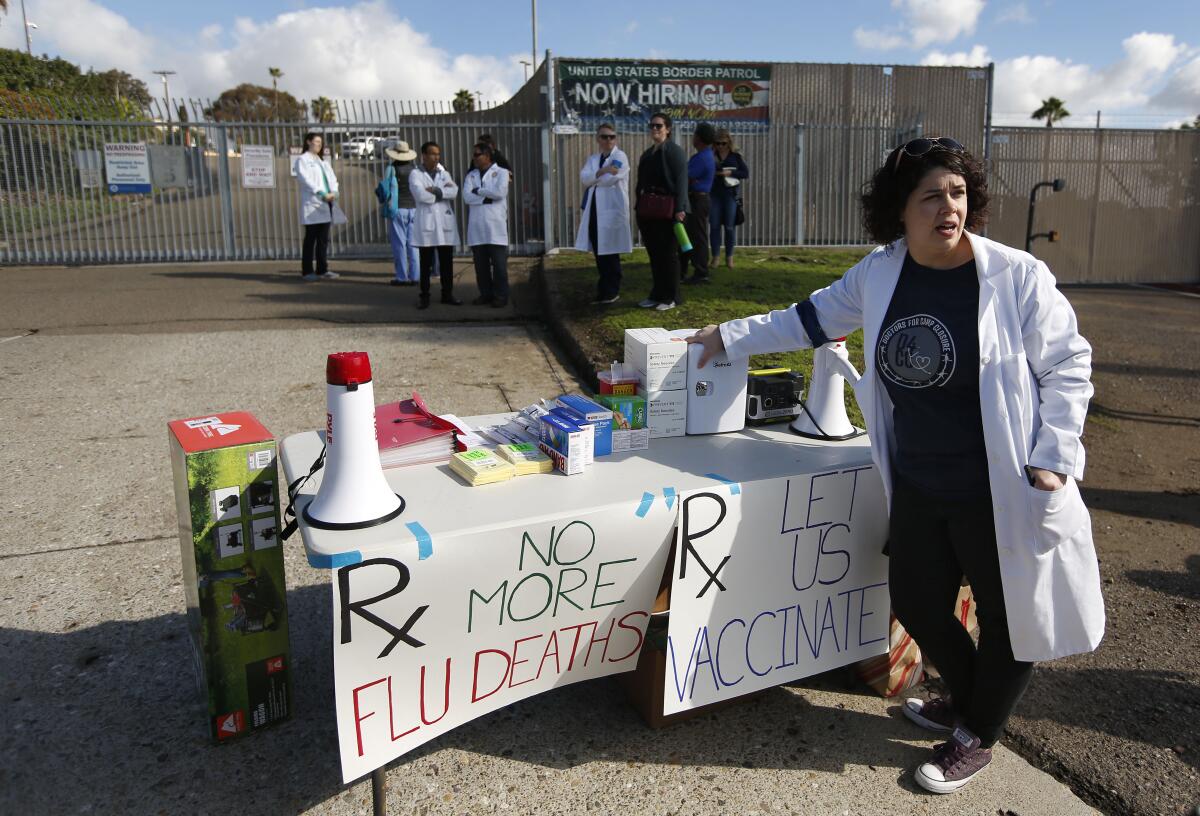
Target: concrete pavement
[{"x": 97, "y": 687}]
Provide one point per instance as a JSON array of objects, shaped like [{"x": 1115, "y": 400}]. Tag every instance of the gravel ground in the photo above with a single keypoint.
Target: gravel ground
[{"x": 1121, "y": 726}]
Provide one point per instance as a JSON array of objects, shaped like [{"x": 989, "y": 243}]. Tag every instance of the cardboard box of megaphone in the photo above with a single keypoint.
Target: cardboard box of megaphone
[{"x": 227, "y": 499}]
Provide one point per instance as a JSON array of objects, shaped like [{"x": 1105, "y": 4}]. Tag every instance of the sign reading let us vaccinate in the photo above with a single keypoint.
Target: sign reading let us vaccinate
[
  {"x": 436, "y": 631},
  {"x": 626, "y": 91},
  {"x": 773, "y": 581},
  {"x": 127, "y": 167}
]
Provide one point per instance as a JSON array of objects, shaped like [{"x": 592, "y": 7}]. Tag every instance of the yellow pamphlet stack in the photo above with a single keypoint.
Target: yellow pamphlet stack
[
  {"x": 526, "y": 458},
  {"x": 480, "y": 467}
]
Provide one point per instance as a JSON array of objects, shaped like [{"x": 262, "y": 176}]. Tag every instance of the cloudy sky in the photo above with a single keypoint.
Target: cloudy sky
[{"x": 1137, "y": 62}]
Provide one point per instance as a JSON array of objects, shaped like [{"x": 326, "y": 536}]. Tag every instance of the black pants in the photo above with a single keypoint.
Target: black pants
[
  {"x": 932, "y": 544},
  {"x": 316, "y": 242},
  {"x": 697, "y": 230},
  {"x": 609, "y": 266},
  {"x": 445, "y": 262},
  {"x": 491, "y": 270},
  {"x": 658, "y": 236}
]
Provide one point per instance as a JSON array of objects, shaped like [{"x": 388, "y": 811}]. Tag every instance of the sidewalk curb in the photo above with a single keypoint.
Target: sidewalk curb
[{"x": 584, "y": 367}]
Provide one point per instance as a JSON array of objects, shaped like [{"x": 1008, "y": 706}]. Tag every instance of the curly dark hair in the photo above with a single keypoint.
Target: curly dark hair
[{"x": 885, "y": 195}]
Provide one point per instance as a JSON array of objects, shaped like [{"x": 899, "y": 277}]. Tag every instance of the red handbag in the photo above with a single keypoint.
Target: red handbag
[{"x": 653, "y": 206}]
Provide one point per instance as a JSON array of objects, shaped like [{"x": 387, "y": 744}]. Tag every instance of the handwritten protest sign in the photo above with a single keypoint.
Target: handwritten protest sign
[
  {"x": 431, "y": 634},
  {"x": 773, "y": 581}
]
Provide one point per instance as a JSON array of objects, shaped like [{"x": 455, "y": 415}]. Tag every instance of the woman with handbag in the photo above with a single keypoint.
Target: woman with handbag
[
  {"x": 318, "y": 207},
  {"x": 726, "y": 197},
  {"x": 662, "y": 188}
]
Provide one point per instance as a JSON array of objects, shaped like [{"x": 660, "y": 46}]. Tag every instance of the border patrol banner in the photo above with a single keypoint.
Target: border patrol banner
[
  {"x": 774, "y": 581},
  {"x": 629, "y": 91}
]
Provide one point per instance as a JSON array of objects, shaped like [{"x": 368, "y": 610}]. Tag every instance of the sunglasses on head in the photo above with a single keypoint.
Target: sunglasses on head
[{"x": 919, "y": 147}]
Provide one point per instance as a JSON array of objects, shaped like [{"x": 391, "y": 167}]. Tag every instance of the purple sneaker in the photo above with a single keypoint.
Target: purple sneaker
[
  {"x": 936, "y": 714},
  {"x": 954, "y": 763}
]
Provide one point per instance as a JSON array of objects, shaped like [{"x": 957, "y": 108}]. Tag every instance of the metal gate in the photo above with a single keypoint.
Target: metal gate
[
  {"x": 57, "y": 208},
  {"x": 804, "y": 183}
]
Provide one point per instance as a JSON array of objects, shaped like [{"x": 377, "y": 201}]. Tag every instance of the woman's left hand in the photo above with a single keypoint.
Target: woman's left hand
[
  {"x": 1046, "y": 479},
  {"x": 680, "y": 216}
]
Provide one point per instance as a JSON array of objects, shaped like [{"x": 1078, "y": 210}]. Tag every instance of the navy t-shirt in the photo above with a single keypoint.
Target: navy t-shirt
[{"x": 928, "y": 357}]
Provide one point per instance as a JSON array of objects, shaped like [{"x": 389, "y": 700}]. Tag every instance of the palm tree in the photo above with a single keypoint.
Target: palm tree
[
  {"x": 323, "y": 111},
  {"x": 275, "y": 73},
  {"x": 463, "y": 102},
  {"x": 1052, "y": 110}
]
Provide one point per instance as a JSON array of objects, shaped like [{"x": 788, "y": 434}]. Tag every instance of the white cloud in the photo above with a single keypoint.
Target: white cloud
[
  {"x": 978, "y": 55},
  {"x": 1018, "y": 13},
  {"x": 631, "y": 26},
  {"x": 360, "y": 51},
  {"x": 924, "y": 22},
  {"x": 1182, "y": 90},
  {"x": 1023, "y": 82}
]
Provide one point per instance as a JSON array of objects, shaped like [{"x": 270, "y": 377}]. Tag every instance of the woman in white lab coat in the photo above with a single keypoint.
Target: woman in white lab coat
[
  {"x": 974, "y": 392},
  {"x": 485, "y": 192},
  {"x": 604, "y": 226},
  {"x": 318, "y": 207},
  {"x": 435, "y": 233}
]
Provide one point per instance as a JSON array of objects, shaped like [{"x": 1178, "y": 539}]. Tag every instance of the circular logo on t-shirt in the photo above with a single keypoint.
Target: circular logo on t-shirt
[{"x": 916, "y": 352}]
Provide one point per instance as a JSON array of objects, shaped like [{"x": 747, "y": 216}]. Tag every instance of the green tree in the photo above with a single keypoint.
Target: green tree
[
  {"x": 276, "y": 74},
  {"x": 323, "y": 110},
  {"x": 254, "y": 103},
  {"x": 1191, "y": 125},
  {"x": 463, "y": 102},
  {"x": 1052, "y": 110},
  {"x": 114, "y": 83}
]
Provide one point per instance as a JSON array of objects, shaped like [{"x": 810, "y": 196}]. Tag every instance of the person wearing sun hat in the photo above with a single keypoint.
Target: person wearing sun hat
[{"x": 400, "y": 209}]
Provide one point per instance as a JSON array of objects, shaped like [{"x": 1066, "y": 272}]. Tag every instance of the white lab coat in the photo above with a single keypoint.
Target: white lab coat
[
  {"x": 486, "y": 223},
  {"x": 610, "y": 194},
  {"x": 313, "y": 208},
  {"x": 1034, "y": 387},
  {"x": 433, "y": 223}
]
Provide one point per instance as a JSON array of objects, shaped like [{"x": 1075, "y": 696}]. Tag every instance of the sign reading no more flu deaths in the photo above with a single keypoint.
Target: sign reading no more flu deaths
[{"x": 627, "y": 91}]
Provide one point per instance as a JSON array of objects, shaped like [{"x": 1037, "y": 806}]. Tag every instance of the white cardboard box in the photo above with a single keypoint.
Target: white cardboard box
[
  {"x": 660, "y": 359},
  {"x": 666, "y": 411},
  {"x": 716, "y": 393}
]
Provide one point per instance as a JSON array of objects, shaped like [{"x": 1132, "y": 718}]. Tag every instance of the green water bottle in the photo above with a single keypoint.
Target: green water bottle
[{"x": 682, "y": 237}]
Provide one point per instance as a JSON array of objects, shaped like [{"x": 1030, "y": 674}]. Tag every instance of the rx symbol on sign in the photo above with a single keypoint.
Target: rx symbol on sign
[{"x": 689, "y": 537}]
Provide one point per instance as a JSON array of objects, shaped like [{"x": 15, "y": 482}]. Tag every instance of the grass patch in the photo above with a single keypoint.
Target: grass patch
[{"x": 762, "y": 280}]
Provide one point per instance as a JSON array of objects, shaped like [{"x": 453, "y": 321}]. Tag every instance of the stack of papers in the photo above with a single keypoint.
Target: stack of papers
[
  {"x": 480, "y": 467},
  {"x": 409, "y": 434},
  {"x": 525, "y": 457}
]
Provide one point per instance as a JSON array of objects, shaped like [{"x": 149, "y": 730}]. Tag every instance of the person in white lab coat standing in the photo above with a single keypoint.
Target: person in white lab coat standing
[
  {"x": 435, "y": 233},
  {"x": 485, "y": 192},
  {"x": 604, "y": 226},
  {"x": 318, "y": 207},
  {"x": 975, "y": 390}
]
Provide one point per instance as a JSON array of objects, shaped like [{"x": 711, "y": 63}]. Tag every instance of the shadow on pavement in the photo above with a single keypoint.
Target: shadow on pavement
[
  {"x": 1181, "y": 584},
  {"x": 1181, "y": 507},
  {"x": 75, "y": 696}
]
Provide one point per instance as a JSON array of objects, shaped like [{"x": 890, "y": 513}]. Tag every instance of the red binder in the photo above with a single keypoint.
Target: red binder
[{"x": 409, "y": 433}]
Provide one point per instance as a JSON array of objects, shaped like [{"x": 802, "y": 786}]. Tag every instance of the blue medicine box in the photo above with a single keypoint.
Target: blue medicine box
[{"x": 583, "y": 409}]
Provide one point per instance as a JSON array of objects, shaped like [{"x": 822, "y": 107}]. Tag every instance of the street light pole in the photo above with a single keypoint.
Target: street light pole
[
  {"x": 166, "y": 90},
  {"x": 525, "y": 66},
  {"x": 29, "y": 37},
  {"x": 534, "y": 16},
  {"x": 1058, "y": 185}
]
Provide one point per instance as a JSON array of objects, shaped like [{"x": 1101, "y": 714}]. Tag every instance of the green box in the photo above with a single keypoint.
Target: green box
[
  {"x": 227, "y": 497},
  {"x": 629, "y": 410}
]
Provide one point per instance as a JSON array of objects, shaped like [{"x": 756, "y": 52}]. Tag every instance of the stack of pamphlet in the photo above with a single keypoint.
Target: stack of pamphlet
[
  {"x": 480, "y": 466},
  {"x": 409, "y": 434},
  {"x": 525, "y": 457}
]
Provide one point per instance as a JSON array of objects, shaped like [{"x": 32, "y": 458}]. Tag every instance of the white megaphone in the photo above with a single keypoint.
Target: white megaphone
[
  {"x": 354, "y": 492},
  {"x": 824, "y": 415}
]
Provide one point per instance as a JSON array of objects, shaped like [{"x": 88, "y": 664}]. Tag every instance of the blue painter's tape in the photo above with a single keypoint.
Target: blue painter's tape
[
  {"x": 335, "y": 560},
  {"x": 734, "y": 487},
  {"x": 669, "y": 495},
  {"x": 644, "y": 507},
  {"x": 424, "y": 542}
]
